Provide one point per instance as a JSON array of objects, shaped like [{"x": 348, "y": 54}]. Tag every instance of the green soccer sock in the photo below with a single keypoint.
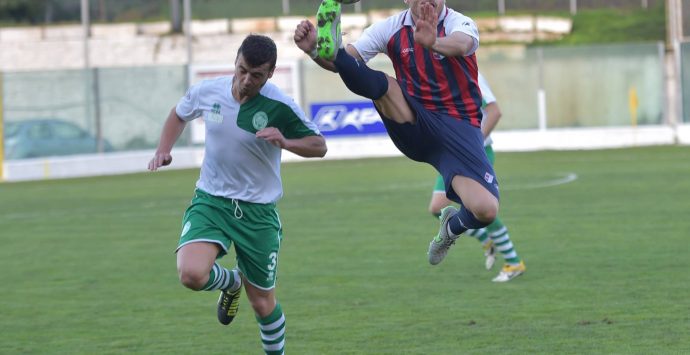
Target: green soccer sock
[
  {"x": 221, "y": 278},
  {"x": 272, "y": 329},
  {"x": 499, "y": 234},
  {"x": 481, "y": 234}
]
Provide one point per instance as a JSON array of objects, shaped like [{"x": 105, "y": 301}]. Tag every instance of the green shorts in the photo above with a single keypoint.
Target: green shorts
[
  {"x": 254, "y": 228},
  {"x": 440, "y": 187}
]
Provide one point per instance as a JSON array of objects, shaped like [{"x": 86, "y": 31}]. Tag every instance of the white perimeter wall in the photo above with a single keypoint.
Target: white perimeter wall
[{"x": 350, "y": 148}]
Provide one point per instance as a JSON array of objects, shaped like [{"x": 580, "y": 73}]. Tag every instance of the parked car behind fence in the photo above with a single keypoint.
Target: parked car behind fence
[{"x": 48, "y": 137}]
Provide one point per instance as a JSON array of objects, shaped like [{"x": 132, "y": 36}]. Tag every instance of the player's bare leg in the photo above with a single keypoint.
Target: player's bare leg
[
  {"x": 198, "y": 270},
  {"x": 479, "y": 209},
  {"x": 393, "y": 104},
  {"x": 270, "y": 317}
]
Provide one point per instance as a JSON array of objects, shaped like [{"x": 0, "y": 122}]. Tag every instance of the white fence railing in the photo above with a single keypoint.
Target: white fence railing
[{"x": 351, "y": 148}]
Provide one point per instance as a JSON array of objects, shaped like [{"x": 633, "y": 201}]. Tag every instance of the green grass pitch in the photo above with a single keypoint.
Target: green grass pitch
[{"x": 87, "y": 265}]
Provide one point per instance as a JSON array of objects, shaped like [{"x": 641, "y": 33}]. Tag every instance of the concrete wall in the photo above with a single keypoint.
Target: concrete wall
[{"x": 129, "y": 44}]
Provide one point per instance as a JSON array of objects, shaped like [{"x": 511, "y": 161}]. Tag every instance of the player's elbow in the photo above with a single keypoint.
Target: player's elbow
[
  {"x": 319, "y": 147},
  {"x": 317, "y": 153},
  {"x": 322, "y": 151}
]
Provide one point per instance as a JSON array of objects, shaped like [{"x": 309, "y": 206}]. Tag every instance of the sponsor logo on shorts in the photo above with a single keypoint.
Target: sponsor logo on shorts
[{"x": 488, "y": 178}]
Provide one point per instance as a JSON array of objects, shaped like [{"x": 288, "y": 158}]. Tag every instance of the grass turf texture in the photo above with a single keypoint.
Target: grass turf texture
[{"x": 88, "y": 264}]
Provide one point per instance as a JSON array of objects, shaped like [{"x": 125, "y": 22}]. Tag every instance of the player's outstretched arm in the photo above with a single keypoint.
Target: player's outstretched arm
[
  {"x": 172, "y": 128},
  {"x": 308, "y": 147}
]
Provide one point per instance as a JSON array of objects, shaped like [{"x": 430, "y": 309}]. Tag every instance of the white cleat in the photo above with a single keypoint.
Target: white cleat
[
  {"x": 510, "y": 272},
  {"x": 490, "y": 254}
]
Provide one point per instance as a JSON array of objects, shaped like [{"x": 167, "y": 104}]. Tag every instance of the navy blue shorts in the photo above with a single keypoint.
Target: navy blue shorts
[{"x": 452, "y": 146}]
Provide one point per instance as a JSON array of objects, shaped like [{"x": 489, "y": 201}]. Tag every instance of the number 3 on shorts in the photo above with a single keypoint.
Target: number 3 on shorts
[{"x": 274, "y": 260}]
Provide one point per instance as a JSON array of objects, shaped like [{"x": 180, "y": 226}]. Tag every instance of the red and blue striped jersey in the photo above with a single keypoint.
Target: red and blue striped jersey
[{"x": 447, "y": 85}]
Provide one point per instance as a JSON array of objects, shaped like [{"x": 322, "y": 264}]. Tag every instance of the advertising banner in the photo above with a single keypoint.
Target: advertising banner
[{"x": 347, "y": 118}]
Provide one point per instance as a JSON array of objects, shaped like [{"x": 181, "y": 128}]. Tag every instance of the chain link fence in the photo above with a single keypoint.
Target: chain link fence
[
  {"x": 619, "y": 85},
  {"x": 117, "y": 109}
]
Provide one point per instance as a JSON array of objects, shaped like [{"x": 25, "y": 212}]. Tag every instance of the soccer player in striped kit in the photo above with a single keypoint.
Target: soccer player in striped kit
[
  {"x": 495, "y": 236},
  {"x": 431, "y": 110}
]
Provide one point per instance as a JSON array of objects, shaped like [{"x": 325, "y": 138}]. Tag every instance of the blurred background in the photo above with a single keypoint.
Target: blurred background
[{"x": 97, "y": 78}]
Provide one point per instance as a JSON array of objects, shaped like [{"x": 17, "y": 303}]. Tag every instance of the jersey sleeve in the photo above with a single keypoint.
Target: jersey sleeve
[
  {"x": 487, "y": 95},
  {"x": 457, "y": 22},
  {"x": 290, "y": 119},
  {"x": 188, "y": 106},
  {"x": 297, "y": 125},
  {"x": 372, "y": 41}
]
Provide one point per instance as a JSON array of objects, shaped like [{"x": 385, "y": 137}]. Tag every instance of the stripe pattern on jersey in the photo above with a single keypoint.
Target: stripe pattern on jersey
[{"x": 446, "y": 85}]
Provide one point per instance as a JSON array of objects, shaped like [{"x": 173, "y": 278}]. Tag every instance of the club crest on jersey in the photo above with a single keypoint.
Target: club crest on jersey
[{"x": 260, "y": 120}]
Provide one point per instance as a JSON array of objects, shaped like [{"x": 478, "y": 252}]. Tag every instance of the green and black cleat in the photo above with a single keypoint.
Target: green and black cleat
[
  {"x": 228, "y": 305},
  {"x": 328, "y": 35}
]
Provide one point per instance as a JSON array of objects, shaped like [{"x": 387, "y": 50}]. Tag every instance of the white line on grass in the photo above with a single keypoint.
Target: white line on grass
[
  {"x": 147, "y": 208},
  {"x": 567, "y": 178}
]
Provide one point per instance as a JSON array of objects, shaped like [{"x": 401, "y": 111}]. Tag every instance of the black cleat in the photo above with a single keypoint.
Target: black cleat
[{"x": 228, "y": 304}]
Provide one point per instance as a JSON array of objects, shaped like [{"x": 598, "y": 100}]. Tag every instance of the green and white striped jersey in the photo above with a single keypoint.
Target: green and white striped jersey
[{"x": 237, "y": 165}]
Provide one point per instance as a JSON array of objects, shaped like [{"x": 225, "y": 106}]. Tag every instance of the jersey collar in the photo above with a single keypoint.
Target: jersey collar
[{"x": 408, "y": 21}]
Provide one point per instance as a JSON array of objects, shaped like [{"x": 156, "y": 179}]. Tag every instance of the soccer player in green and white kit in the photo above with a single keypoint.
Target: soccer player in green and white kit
[
  {"x": 248, "y": 122},
  {"x": 494, "y": 236}
]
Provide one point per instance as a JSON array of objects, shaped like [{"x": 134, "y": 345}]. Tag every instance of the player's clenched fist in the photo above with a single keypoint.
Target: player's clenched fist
[{"x": 305, "y": 36}]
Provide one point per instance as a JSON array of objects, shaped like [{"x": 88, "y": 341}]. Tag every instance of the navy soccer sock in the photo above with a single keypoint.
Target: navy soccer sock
[
  {"x": 359, "y": 78},
  {"x": 464, "y": 220}
]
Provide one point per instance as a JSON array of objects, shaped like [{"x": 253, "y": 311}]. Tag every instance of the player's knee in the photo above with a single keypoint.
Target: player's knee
[
  {"x": 486, "y": 213},
  {"x": 262, "y": 305},
  {"x": 192, "y": 279},
  {"x": 488, "y": 216}
]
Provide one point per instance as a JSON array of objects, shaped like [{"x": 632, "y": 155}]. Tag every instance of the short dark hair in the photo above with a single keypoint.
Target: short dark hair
[{"x": 258, "y": 50}]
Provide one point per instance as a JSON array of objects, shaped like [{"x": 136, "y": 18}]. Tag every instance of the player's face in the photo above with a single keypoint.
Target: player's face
[
  {"x": 249, "y": 80},
  {"x": 415, "y": 6}
]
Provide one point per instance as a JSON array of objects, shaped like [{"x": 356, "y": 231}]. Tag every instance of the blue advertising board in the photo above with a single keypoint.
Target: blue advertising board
[{"x": 347, "y": 118}]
